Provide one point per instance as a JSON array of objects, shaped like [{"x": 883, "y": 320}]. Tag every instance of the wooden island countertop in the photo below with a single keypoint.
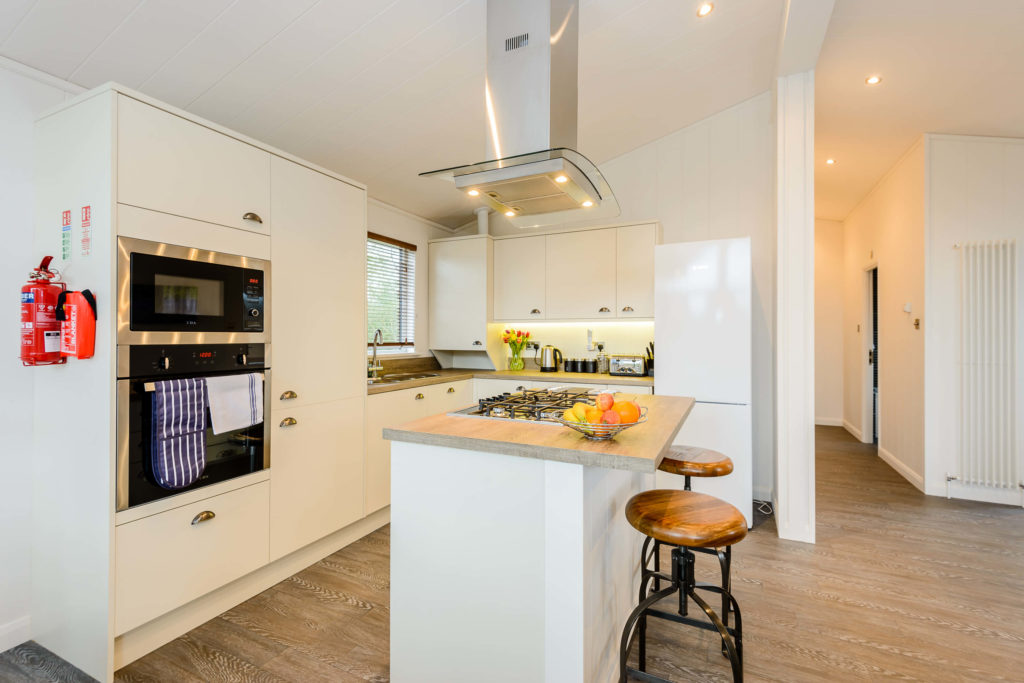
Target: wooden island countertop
[{"x": 638, "y": 449}]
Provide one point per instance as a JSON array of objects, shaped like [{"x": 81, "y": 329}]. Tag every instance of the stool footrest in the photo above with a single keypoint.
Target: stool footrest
[
  {"x": 646, "y": 677},
  {"x": 689, "y": 621}
]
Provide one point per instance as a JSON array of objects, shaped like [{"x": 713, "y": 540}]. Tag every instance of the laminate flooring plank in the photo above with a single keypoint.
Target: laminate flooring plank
[{"x": 30, "y": 661}]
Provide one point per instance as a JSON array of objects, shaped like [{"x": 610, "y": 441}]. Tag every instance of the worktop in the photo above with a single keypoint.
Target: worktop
[
  {"x": 567, "y": 378},
  {"x": 637, "y": 449}
]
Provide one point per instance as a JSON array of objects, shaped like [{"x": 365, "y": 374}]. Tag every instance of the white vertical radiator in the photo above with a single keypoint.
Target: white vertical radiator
[{"x": 988, "y": 365}]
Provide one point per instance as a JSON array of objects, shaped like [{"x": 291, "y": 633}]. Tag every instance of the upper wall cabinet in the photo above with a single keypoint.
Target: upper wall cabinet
[
  {"x": 634, "y": 271},
  {"x": 519, "y": 278},
  {"x": 460, "y": 293},
  {"x": 581, "y": 275},
  {"x": 169, "y": 164}
]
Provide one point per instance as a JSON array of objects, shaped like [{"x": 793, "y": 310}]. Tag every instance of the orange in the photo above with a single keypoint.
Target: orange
[
  {"x": 594, "y": 415},
  {"x": 627, "y": 410}
]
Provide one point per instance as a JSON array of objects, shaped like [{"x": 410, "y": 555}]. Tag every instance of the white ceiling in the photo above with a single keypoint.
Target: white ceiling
[
  {"x": 382, "y": 90},
  {"x": 948, "y": 66}
]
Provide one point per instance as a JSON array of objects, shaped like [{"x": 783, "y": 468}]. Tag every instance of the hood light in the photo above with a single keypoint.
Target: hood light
[
  {"x": 587, "y": 203},
  {"x": 473, "y": 193},
  {"x": 705, "y": 9}
]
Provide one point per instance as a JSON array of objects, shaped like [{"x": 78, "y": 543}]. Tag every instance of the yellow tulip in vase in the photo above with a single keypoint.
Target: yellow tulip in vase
[{"x": 517, "y": 341}]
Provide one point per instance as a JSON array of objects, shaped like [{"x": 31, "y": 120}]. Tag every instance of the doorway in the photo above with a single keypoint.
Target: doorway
[{"x": 871, "y": 421}]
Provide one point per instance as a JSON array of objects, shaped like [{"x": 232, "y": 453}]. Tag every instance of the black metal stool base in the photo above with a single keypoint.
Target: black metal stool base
[{"x": 680, "y": 581}]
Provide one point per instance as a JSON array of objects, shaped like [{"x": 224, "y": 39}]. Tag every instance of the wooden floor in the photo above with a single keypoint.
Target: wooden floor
[{"x": 899, "y": 586}]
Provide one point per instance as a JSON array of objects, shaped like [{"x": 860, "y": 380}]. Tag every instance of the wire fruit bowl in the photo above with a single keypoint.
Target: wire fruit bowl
[{"x": 602, "y": 432}]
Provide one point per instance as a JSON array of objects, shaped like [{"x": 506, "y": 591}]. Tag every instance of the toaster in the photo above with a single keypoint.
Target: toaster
[{"x": 627, "y": 366}]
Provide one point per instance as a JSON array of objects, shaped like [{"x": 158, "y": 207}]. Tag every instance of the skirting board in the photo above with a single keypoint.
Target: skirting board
[
  {"x": 148, "y": 637},
  {"x": 853, "y": 430},
  {"x": 15, "y": 632},
  {"x": 829, "y": 421},
  {"x": 910, "y": 475}
]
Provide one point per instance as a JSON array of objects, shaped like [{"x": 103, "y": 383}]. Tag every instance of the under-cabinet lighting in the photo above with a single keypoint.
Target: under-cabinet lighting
[
  {"x": 560, "y": 179},
  {"x": 587, "y": 203},
  {"x": 873, "y": 80},
  {"x": 473, "y": 193},
  {"x": 830, "y": 162},
  {"x": 705, "y": 9}
]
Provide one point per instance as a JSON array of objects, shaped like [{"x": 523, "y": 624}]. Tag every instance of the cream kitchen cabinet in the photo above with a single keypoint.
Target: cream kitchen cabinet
[
  {"x": 634, "y": 271},
  {"x": 460, "y": 293},
  {"x": 520, "y": 274},
  {"x": 170, "y": 164},
  {"x": 580, "y": 271},
  {"x": 317, "y": 287},
  {"x": 165, "y": 560},
  {"x": 316, "y": 472},
  {"x": 392, "y": 408}
]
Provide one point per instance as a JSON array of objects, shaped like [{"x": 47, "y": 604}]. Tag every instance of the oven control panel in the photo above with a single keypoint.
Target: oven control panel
[
  {"x": 252, "y": 300},
  {"x": 190, "y": 359}
]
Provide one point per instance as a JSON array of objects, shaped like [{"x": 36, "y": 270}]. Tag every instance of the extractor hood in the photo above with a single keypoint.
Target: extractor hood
[{"x": 534, "y": 177}]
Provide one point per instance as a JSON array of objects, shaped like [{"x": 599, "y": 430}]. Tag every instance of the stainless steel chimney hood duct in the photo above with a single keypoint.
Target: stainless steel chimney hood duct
[{"x": 535, "y": 176}]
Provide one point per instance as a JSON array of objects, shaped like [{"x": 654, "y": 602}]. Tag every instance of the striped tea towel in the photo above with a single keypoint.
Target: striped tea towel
[
  {"x": 178, "y": 448},
  {"x": 236, "y": 401}
]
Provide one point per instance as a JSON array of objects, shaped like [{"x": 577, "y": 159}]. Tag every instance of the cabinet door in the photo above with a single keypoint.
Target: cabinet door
[
  {"x": 634, "y": 271},
  {"x": 629, "y": 389},
  {"x": 317, "y": 287},
  {"x": 389, "y": 409},
  {"x": 581, "y": 275},
  {"x": 519, "y": 276},
  {"x": 460, "y": 293},
  {"x": 170, "y": 164},
  {"x": 316, "y": 472}
]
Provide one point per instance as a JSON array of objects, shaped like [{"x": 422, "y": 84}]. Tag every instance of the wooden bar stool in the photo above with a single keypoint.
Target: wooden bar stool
[
  {"x": 687, "y": 521},
  {"x": 693, "y": 461}
]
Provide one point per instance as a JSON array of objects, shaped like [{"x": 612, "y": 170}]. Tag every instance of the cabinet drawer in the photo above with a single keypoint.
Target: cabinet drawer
[
  {"x": 639, "y": 390},
  {"x": 449, "y": 396},
  {"x": 169, "y": 559},
  {"x": 176, "y": 166}
]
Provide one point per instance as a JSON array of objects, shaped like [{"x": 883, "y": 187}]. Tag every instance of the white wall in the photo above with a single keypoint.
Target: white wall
[
  {"x": 828, "y": 322},
  {"x": 21, "y": 99},
  {"x": 389, "y": 221},
  {"x": 887, "y": 229},
  {"x": 975, "y": 191},
  {"x": 713, "y": 180}
]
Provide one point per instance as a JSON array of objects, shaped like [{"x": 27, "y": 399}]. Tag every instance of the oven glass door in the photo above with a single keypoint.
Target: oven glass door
[
  {"x": 174, "y": 295},
  {"x": 228, "y": 455}
]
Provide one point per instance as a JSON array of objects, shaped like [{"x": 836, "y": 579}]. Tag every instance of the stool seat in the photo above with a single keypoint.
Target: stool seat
[
  {"x": 686, "y": 518},
  {"x": 690, "y": 461}
]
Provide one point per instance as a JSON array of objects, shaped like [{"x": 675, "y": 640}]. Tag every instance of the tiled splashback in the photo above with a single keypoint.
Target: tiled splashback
[{"x": 626, "y": 337}]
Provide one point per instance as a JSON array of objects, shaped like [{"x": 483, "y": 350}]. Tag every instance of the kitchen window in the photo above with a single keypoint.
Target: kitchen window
[{"x": 391, "y": 292}]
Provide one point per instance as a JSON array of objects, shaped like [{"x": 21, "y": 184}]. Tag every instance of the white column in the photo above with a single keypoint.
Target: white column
[{"x": 794, "y": 470}]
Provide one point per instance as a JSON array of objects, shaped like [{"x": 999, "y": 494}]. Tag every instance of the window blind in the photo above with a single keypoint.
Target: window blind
[{"x": 390, "y": 290}]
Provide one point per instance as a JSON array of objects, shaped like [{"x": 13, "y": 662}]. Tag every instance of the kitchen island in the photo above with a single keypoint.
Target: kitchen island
[{"x": 511, "y": 559}]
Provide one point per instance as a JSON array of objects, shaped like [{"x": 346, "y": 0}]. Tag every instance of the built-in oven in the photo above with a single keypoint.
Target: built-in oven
[
  {"x": 169, "y": 294},
  {"x": 228, "y": 455}
]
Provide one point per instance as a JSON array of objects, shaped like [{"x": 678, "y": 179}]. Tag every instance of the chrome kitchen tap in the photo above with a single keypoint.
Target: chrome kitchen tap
[{"x": 375, "y": 367}]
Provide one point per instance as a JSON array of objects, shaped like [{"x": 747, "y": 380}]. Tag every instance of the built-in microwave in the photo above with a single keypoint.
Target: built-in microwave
[{"x": 169, "y": 294}]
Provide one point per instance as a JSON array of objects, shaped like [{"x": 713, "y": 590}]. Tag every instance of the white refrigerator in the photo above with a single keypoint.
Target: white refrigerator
[{"x": 702, "y": 345}]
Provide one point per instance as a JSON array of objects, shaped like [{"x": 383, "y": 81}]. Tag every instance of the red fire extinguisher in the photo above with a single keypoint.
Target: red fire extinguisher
[{"x": 40, "y": 329}]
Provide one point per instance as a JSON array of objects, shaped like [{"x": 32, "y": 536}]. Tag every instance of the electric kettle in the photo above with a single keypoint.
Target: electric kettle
[{"x": 550, "y": 357}]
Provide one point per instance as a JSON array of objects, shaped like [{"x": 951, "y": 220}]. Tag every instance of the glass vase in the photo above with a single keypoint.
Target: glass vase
[{"x": 515, "y": 362}]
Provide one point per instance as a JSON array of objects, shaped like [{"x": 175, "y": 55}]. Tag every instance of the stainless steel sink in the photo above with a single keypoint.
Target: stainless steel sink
[
  {"x": 403, "y": 376},
  {"x": 382, "y": 380}
]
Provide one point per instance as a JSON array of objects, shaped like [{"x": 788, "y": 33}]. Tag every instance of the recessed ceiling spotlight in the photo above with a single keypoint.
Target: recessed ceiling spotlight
[
  {"x": 560, "y": 179},
  {"x": 705, "y": 9},
  {"x": 473, "y": 193},
  {"x": 587, "y": 203},
  {"x": 873, "y": 80},
  {"x": 830, "y": 162}
]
